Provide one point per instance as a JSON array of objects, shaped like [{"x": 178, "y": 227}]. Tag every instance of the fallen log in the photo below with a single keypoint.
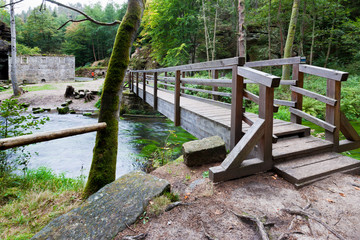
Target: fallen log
[{"x": 7, "y": 143}]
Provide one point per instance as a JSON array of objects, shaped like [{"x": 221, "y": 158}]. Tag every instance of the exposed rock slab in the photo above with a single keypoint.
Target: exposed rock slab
[
  {"x": 107, "y": 212},
  {"x": 204, "y": 151}
]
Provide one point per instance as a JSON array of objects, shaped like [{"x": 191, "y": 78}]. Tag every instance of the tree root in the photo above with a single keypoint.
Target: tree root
[
  {"x": 259, "y": 224},
  {"x": 207, "y": 235},
  {"x": 137, "y": 237},
  {"x": 174, "y": 205},
  {"x": 308, "y": 215}
]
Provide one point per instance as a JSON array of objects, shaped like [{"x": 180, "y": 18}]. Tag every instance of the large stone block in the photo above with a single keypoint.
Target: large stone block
[{"x": 204, "y": 151}]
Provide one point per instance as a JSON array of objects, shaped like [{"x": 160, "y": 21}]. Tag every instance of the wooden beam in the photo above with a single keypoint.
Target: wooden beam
[
  {"x": 255, "y": 99},
  {"x": 156, "y": 91},
  {"x": 246, "y": 144},
  {"x": 177, "y": 99},
  {"x": 296, "y": 97},
  {"x": 212, "y": 102},
  {"x": 7, "y": 143},
  {"x": 316, "y": 96},
  {"x": 208, "y": 82},
  {"x": 236, "y": 107},
  {"x": 347, "y": 129},
  {"x": 324, "y": 72},
  {"x": 313, "y": 119},
  {"x": 347, "y": 145},
  {"x": 332, "y": 116},
  {"x": 284, "y": 103},
  {"x": 259, "y": 77},
  {"x": 215, "y": 75},
  {"x": 137, "y": 84},
  {"x": 144, "y": 87},
  {"x": 207, "y": 91},
  {"x": 247, "y": 120},
  {"x": 275, "y": 62}
]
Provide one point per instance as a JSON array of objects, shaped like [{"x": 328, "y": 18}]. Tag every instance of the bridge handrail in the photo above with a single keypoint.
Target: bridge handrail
[{"x": 276, "y": 62}]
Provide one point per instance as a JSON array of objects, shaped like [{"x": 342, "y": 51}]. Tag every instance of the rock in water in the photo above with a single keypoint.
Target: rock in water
[
  {"x": 107, "y": 212},
  {"x": 204, "y": 151}
]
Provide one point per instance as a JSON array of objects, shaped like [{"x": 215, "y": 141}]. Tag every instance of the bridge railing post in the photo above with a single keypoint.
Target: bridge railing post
[
  {"x": 130, "y": 80},
  {"x": 137, "y": 83},
  {"x": 177, "y": 98},
  {"x": 332, "y": 116},
  {"x": 155, "y": 90},
  {"x": 166, "y": 74},
  {"x": 236, "y": 106},
  {"x": 296, "y": 97},
  {"x": 144, "y": 86},
  {"x": 215, "y": 75}
]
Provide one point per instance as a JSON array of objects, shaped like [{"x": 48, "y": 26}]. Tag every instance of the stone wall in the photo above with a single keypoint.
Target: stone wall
[{"x": 38, "y": 69}]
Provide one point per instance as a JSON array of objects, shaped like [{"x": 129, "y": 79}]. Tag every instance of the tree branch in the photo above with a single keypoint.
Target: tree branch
[
  {"x": 10, "y": 4},
  {"x": 87, "y": 17}
]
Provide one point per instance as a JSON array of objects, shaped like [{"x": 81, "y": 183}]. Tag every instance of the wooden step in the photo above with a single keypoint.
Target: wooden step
[
  {"x": 305, "y": 170},
  {"x": 290, "y": 148}
]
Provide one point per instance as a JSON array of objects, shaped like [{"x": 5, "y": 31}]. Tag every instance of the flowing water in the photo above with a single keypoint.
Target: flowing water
[{"x": 73, "y": 155}]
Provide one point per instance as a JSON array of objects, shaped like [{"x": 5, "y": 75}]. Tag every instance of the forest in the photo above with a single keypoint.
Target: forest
[{"x": 179, "y": 32}]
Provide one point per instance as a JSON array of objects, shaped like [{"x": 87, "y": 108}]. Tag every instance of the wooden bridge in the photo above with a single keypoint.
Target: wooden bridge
[{"x": 257, "y": 142}]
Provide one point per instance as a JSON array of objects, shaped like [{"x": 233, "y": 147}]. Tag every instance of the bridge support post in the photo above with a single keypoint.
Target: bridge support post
[
  {"x": 165, "y": 87},
  {"x": 177, "y": 98},
  {"x": 155, "y": 90},
  {"x": 137, "y": 84},
  {"x": 296, "y": 97},
  {"x": 130, "y": 80},
  {"x": 215, "y": 75},
  {"x": 266, "y": 102},
  {"x": 144, "y": 86},
  {"x": 236, "y": 107},
  {"x": 333, "y": 90}
]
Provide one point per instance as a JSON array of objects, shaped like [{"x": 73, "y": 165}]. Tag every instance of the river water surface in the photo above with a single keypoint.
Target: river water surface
[{"x": 73, "y": 155}]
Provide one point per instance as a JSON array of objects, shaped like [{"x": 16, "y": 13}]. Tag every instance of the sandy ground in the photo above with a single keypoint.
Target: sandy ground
[
  {"x": 55, "y": 97},
  {"x": 209, "y": 214}
]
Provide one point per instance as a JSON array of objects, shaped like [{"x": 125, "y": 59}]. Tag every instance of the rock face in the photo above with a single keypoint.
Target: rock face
[
  {"x": 204, "y": 151},
  {"x": 107, "y": 212}
]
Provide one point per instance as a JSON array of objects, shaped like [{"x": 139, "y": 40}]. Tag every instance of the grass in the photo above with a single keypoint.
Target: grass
[
  {"x": 39, "y": 87},
  {"x": 31, "y": 201}
]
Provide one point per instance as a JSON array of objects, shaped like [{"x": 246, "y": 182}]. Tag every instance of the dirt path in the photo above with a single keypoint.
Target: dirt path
[
  {"x": 51, "y": 95},
  {"x": 334, "y": 201}
]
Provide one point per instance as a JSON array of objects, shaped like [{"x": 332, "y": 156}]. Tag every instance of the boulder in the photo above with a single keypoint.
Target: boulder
[
  {"x": 204, "y": 151},
  {"x": 37, "y": 111},
  {"x": 107, "y": 212}
]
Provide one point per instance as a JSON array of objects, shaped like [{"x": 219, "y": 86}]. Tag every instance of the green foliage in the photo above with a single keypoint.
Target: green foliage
[
  {"x": 15, "y": 123},
  {"x": 24, "y": 50}
]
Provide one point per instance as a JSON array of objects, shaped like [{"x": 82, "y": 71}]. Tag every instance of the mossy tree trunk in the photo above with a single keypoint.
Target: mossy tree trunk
[
  {"x": 290, "y": 38},
  {"x": 103, "y": 166}
]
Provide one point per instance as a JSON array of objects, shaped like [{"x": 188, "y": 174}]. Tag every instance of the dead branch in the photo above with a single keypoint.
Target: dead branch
[
  {"x": 137, "y": 237},
  {"x": 87, "y": 17},
  {"x": 174, "y": 205},
  {"x": 130, "y": 228},
  {"x": 3, "y": 6},
  {"x": 259, "y": 224},
  {"x": 207, "y": 235},
  {"x": 308, "y": 215}
]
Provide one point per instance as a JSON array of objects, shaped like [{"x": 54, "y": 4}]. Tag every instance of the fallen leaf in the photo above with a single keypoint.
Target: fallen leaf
[
  {"x": 273, "y": 177},
  {"x": 342, "y": 194},
  {"x": 357, "y": 188},
  {"x": 186, "y": 197},
  {"x": 330, "y": 201}
]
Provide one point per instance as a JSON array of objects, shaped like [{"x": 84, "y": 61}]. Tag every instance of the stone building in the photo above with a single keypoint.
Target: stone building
[{"x": 41, "y": 69}]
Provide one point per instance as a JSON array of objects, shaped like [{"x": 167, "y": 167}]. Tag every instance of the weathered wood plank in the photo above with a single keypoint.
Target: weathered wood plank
[
  {"x": 177, "y": 99},
  {"x": 155, "y": 91},
  {"x": 215, "y": 75},
  {"x": 242, "y": 149},
  {"x": 275, "y": 62},
  {"x": 324, "y": 72},
  {"x": 282, "y": 82},
  {"x": 221, "y": 104},
  {"x": 207, "y": 91},
  {"x": 332, "y": 116},
  {"x": 255, "y": 99},
  {"x": 313, "y": 119},
  {"x": 296, "y": 97},
  {"x": 7, "y": 143},
  {"x": 284, "y": 103},
  {"x": 236, "y": 107},
  {"x": 347, "y": 145},
  {"x": 347, "y": 129},
  {"x": 259, "y": 77},
  {"x": 137, "y": 84},
  {"x": 316, "y": 96}
]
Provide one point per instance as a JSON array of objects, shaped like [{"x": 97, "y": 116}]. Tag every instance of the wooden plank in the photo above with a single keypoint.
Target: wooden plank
[
  {"x": 332, "y": 116},
  {"x": 221, "y": 104},
  {"x": 155, "y": 91},
  {"x": 7, "y": 143},
  {"x": 259, "y": 77},
  {"x": 165, "y": 84},
  {"x": 313, "y": 119},
  {"x": 208, "y": 82},
  {"x": 347, "y": 145},
  {"x": 177, "y": 99},
  {"x": 275, "y": 62},
  {"x": 208, "y": 91},
  {"x": 282, "y": 82},
  {"x": 236, "y": 107},
  {"x": 307, "y": 169},
  {"x": 324, "y": 72},
  {"x": 144, "y": 87},
  {"x": 291, "y": 130},
  {"x": 247, "y": 120},
  {"x": 215, "y": 75},
  {"x": 347, "y": 129},
  {"x": 246, "y": 144},
  {"x": 255, "y": 99},
  {"x": 137, "y": 84},
  {"x": 284, "y": 103},
  {"x": 316, "y": 96}
]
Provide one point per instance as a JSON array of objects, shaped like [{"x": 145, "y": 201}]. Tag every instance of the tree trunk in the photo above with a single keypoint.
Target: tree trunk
[
  {"x": 269, "y": 30},
  {"x": 103, "y": 166},
  {"x": 313, "y": 33},
  {"x": 302, "y": 30},
  {"x": 213, "y": 50},
  {"x": 290, "y": 38},
  {"x": 330, "y": 41},
  {"x": 93, "y": 48},
  {"x": 280, "y": 31},
  {"x": 206, "y": 32},
  {"x": 242, "y": 34},
  {"x": 14, "y": 82}
]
